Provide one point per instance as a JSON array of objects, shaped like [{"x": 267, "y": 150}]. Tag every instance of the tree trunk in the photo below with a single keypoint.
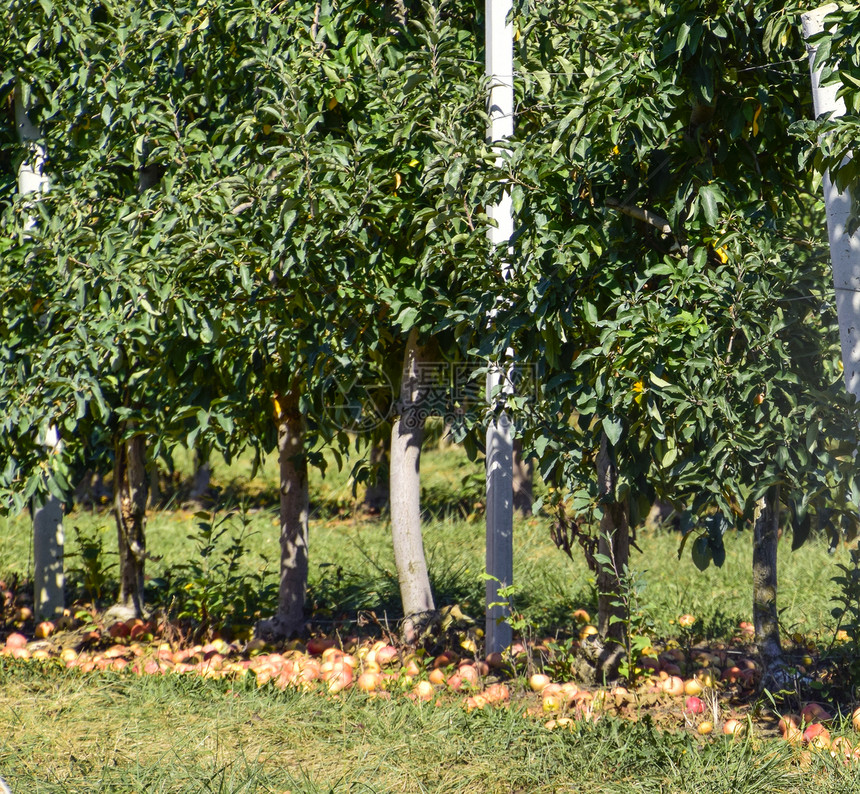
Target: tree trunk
[
  {"x": 614, "y": 543},
  {"x": 765, "y": 616},
  {"x": 523, "y": 478},
  {"x": 48, "y": 546},
  {"x": 154, "y": 477},
  {"x": 407, "y": 434},
  {"x": 130, "y": 497},
  {"x": 202, "y": 473},
  {"x": 376, "y": 495},
  {"x": 294, "y": 512}
]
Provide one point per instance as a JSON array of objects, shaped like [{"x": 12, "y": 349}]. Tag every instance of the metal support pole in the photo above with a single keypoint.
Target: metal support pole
[
  {"x": 844, "y": 249},
  {"x": 48, "y": 538},
  {"x": 499, "y": 459}
]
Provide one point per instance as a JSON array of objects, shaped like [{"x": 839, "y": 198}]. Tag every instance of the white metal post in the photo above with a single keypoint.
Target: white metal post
[
  {"x": 844, "y": 249},
  {"x": 48, "y": 537},
  {"x": 499, "y": 42}
]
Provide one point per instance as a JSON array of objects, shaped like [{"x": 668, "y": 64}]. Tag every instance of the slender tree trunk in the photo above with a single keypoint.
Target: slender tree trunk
[
  {"x": 202, "y": 473},
  {"x": 765, "y": 616},
  {"x": 48, "y": 573},
  {"x": 294, "y": 512},
  {"x": 407, "y": 434},
  {"x": 376, "y": 495},
  {"x": 130, "y": 498},
  {"x": 614, "y": 543},
  {"x": 523, "y": 479},
  {"x": 154, "y": 478}
]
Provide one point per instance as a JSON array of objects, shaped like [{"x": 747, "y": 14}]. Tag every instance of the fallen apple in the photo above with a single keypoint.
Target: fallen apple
[
  {"x": 694, "y": 705},
  {"x": 673, "y": 685},
  {"x": 437, "y": 676},
  {"x": 469, "y": 674},
  {"x": 815, "y": 712},
  {"x": 368, "y": 682},
  {"x": 16, "y": 640},
  {"x": 693, "y": 687},
  {"x": 424, "y": 690},
  {"x": 788, "y": 722},
  {"x": 733, "y": 728},
  {"x": 817, "y": 736},
  {"x": 588, "y": 631}
]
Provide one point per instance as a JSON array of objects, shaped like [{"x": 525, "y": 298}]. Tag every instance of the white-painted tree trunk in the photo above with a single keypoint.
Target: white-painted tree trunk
[
  {"x": 48, "y": 551},
  {"x": 844, "y": 249},
  {"x": 407, "y": 433},
  {"x": 500, "y": 69},
  {"x": 48, "y": 538}
]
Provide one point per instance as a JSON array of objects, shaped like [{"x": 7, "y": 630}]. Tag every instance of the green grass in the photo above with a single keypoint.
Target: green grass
[{"x": 66, "y": 733}]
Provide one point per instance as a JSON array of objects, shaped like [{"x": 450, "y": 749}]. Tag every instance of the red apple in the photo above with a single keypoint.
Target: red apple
[
  {"x": 16, "y": 640},
  {"x": 788, "y": 722},
  {"x": 469, "y": 674},
  {"x": 817, "y": 736},
  {"x": 369, "y": 682},
  {"x": 815, "y": 712},
  {"x": 385, "y": 655},
  {"x": 119, "y": 630},
  {"x": 694, "y": 705}
]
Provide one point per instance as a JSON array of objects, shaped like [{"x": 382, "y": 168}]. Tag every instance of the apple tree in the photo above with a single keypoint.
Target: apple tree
[
  {"x": 665, "y": 281},
  {"x": 412, "y": 110},
  {"x": 137, "y": 273}
]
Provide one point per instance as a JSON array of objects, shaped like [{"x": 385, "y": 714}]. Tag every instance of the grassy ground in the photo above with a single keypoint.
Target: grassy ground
[
  {"x": 62, "y": 731},
  {"x": 71, "y": 734}
]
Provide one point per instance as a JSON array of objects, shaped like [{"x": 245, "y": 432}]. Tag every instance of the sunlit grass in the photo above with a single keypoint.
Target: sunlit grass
[{"x": 73, "y": 734}]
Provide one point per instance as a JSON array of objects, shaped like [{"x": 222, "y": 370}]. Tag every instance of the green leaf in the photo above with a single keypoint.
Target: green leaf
[
  {"x": 613, "y": 426},
  {"x": 710, "y": 198},
  {"x": 701, "y": 552}
]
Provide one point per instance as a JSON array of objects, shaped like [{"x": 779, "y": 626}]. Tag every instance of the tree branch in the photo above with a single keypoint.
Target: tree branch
[{"x": 651, "y": 218}]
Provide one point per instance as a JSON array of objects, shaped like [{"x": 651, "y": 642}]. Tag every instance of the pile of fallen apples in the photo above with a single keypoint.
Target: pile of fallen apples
[
  {"x": 381, "y": 670},
  {"x": 375, "y": 668}
]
